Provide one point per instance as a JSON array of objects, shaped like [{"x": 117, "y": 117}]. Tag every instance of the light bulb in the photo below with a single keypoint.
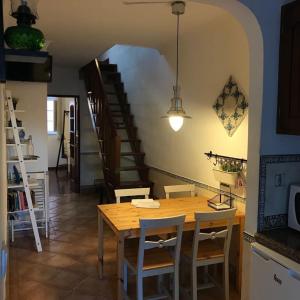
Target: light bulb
[{"x": 176, "y": 122}]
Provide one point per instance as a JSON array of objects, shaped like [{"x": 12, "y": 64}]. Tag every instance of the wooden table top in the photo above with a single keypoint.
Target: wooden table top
[{"x": 124, "y": 217}]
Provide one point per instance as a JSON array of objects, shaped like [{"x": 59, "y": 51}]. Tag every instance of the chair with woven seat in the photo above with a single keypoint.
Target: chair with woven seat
[
  {"x": 119, "y": 193},
  {"x": 181, "y": 188},
  {"x": 154, "y": 257},
  {"x": 210, "y": 248}
]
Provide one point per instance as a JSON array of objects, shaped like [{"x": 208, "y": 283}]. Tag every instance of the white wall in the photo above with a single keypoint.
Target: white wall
[
  {"x": 66, "y": 82},
  {"x": 33, "y": 99},
  {"x": 208, "y": 56}
]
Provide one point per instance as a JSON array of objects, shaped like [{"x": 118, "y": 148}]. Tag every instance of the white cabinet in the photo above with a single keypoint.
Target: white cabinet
[{"x": 272, "y": 278}]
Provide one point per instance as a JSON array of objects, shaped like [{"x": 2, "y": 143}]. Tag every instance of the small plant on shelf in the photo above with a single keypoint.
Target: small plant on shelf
[{"x": 230, "y": 167}]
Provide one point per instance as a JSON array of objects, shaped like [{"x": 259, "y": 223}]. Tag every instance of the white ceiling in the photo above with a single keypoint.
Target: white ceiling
[{"x": 79, "y": 30}]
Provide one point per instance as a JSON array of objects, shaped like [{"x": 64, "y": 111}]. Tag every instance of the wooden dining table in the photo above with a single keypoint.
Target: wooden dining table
[{"x": 123, "y": 220}]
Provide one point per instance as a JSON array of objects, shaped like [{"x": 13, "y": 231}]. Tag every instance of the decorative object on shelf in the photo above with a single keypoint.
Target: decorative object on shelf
[
  {"x": 22, "y": 134},
  {"x": 30, "y": 147},
  {"x": 15, "y": 102},
  {"x": 19, "y": 123},
  {"x": 23, "y": 36},
  {"x": 176, "y": 114},
  {"x": 231, "y": 106},
  {"x": 17, "y": 175}
]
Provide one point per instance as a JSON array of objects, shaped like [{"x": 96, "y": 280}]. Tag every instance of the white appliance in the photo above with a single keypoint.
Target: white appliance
[
  {"x": 273, "y": 276},
  {"x": 294, "y": 207}
]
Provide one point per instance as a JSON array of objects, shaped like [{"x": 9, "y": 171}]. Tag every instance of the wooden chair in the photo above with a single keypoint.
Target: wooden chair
[
  {"x": 179, "y": 189},
  {"x": 154, "y": 257},
  {"x": 210, "y": 248},
  {"x": 132, "y": 192}
]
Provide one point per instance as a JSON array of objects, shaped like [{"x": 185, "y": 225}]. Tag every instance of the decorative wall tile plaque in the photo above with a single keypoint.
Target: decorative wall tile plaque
[{"x": 231, "y": 106}]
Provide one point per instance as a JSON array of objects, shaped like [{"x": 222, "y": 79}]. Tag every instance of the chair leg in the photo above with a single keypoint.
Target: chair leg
[
  {"x": 139, "y": 287},
  {"x": 176, "y": 285},
  {"x": 194, "y": 282},
  {"x": 226, "y": 279},
  {"x": 125, "y": 277}
]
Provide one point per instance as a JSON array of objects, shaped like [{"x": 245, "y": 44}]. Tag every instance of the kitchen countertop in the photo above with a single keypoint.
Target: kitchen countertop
[{"x": 284, "y": 241}]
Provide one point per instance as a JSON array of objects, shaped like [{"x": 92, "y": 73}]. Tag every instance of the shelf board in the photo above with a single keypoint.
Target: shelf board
[
  {"x": 25, "y": 210},
  {"x": 17, "y": 161},
  {"x": 21, "y": 185},
  {"x": 18, "y": 128},
  {"x": 19, "y": 55},
  {"x": 16, "y": 111}
]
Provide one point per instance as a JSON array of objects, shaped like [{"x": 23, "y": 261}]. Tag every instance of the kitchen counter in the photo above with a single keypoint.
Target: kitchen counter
[{"x": 284, "y": 241}]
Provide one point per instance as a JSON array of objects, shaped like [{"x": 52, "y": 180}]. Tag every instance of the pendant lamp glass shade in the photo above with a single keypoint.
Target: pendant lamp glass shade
[
  {"x": 176, "y": 113},
  {"x": 176, "y": 122}
]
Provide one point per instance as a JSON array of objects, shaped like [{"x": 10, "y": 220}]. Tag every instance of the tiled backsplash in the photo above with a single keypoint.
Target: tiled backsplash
[{"x": 277, "y": 173}]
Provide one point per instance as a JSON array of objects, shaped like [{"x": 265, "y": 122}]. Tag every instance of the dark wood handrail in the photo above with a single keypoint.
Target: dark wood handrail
[{"x": 110, "y": 145}]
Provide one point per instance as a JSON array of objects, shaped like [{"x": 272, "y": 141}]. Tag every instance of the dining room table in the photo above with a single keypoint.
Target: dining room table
[{"x": 123, "y": 219}]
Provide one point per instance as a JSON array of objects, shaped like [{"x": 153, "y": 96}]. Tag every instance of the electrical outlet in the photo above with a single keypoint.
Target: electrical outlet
[{"x": 279, "y": 180}]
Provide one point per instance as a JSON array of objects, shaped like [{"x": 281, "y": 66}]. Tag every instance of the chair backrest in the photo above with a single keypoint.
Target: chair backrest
[
  {"x": 175, "y": 241},
  {"x": 179, "y": 189},
  {"x": 226, "y": 215},
  {"x": 132, "y": 192}
]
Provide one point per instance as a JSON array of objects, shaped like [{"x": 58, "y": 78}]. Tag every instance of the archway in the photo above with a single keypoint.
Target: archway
[{"x": 255, "y": 41}]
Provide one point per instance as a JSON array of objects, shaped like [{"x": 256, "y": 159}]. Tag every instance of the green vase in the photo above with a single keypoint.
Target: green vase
[{"x": 24, "y": 37}]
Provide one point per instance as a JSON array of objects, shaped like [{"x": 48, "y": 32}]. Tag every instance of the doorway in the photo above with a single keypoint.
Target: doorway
[{"x": 63, "y": 115}]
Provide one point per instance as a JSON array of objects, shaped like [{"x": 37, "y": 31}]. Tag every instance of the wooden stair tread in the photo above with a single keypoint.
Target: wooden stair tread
[{"x": 104, "y": 67}]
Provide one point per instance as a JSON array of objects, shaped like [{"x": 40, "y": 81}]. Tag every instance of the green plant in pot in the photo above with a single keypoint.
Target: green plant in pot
[
  {"x": 230, "y": 167},
  {"x": 24, "y": 36},
  {"x": 227, "y": 172}
]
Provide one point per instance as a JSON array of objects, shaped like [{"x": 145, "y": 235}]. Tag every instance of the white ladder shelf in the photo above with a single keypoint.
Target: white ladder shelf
[{"x": 21, "y": 162}]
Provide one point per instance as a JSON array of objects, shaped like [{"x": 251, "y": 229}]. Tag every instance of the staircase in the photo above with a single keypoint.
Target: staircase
[{"x": 120, "y": 148}]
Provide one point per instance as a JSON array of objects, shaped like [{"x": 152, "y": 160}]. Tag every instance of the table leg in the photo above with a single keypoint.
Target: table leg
[
  {"x": 100, "y": 244},
  {"x": 239, "y": 268},
  {"x": 120, "y": 260}
]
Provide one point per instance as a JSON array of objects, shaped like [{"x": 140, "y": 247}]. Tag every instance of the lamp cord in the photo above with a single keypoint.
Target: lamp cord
[{"x": 177, "y": 53}]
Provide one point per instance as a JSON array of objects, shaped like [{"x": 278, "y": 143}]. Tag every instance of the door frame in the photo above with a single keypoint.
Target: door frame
[{"x": 76, "y": 187}]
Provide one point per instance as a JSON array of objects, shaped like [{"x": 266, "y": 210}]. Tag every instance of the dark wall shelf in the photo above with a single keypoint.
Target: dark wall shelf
[{"x": 25, "y": 65}]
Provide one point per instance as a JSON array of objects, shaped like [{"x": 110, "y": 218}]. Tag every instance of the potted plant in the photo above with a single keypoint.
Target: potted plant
[{"x": 228, "y": 172}]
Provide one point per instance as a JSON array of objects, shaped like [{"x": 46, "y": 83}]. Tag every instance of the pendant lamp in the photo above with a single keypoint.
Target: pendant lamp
[{"x": 176, "y": 114}]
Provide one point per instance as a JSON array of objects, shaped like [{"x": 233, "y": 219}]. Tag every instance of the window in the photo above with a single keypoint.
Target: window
[{"x": 51, "y": 115}]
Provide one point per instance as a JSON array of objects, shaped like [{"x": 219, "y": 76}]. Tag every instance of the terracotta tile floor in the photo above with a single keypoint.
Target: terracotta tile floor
[{"x": 67, "y": 268}]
